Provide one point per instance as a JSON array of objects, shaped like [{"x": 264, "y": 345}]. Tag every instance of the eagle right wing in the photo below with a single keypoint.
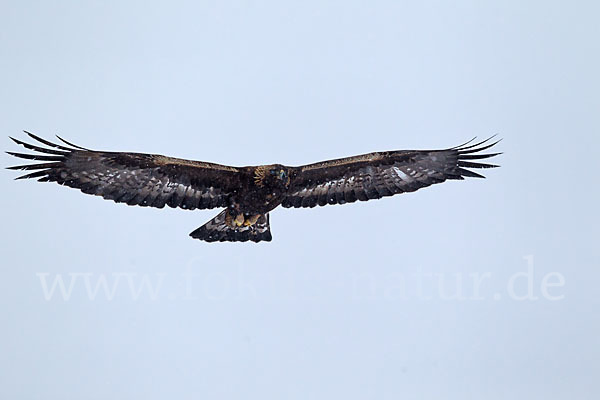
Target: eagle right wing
[
  {"x": 132, "y": 178},
  {"x": 377, "y": 175}
]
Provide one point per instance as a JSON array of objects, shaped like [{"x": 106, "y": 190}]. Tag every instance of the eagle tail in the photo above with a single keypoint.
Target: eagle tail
[{"x": 219, "y": 230}]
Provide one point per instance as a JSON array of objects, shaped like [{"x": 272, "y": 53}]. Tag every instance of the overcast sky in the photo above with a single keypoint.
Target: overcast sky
[{"x": 468, "y": 289}]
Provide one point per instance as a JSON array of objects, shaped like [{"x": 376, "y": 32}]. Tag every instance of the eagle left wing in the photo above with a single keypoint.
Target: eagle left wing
[
  {"x": 133, "y": 178},
  {"x": 375, "y": 175}
]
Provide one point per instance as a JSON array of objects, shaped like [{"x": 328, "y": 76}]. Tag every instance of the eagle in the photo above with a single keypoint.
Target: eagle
[{"x": 247, "y": 194}]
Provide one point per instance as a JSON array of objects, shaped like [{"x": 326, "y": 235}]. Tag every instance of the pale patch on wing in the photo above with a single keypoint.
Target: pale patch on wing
[
  {"x": 401, "y": 174},
  {"x": 342, "y": 161},
  {"x": 163, "y": 160}
]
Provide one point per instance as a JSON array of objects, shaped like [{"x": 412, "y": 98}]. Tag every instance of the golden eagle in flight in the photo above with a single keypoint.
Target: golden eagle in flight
[{"x": 246, "y": 193}]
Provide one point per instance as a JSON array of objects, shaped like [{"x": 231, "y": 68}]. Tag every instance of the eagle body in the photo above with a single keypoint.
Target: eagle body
[
  {"x": 246, "y": 194},
  {"x": 263, "y": 189}
]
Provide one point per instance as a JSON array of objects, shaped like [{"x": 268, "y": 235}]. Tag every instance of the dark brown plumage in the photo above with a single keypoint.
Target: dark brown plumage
[{"x": 246, "y": 193}]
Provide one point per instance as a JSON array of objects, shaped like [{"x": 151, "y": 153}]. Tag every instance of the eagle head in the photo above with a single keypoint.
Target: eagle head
[
  {"x": 276, "y": 176},
  {"x": 280, "y": 175}
]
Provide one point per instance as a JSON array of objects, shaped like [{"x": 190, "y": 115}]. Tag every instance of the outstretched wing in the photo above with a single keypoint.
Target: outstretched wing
[
  {"x": 375, "y": 175},
  {"x": 132, "y": 178}
]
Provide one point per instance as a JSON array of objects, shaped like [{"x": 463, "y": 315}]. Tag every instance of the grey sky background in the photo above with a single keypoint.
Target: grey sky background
[{"x": 357, "y": 301}]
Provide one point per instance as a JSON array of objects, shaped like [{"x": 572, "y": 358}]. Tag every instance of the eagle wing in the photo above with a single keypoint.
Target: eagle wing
[
  {"x": 133, "y": 178},
  {"x": 375, "y": 175}
]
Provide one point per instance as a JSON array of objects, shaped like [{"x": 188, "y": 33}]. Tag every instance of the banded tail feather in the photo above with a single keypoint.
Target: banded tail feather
[{"x": 220, "y": 229}]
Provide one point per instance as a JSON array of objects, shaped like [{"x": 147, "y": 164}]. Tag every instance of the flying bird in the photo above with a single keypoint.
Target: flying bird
[{"x": 247, "y": 194}]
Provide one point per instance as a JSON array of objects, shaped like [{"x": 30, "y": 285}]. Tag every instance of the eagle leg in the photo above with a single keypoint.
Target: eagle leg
[
  {"x": 251, "y": 220},
  {"x": 239, "y": 220},
  {"x": 234, "y": 220}
]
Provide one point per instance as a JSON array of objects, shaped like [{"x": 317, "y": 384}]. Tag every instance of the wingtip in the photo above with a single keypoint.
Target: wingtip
[
  {"x": 497, "y": 141},
  {"x": 71, "y": 144},
  {"x": 493, "y": 143},
  {"x": 33, "y": 136},
  {"x": 464, "y": 144}
]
